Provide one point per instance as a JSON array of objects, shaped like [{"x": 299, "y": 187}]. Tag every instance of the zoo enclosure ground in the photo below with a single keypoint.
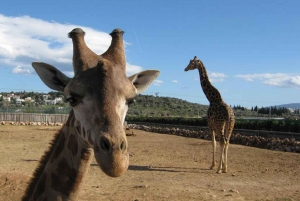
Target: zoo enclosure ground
[{"x": 162, "y": 167}]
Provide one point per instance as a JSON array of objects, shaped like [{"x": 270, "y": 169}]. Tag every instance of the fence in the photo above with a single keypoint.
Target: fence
[{"x": 34, "y": 117}]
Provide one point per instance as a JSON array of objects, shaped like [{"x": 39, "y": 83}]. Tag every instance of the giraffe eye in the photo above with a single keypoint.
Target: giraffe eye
[{"x": 73, "y": 101}]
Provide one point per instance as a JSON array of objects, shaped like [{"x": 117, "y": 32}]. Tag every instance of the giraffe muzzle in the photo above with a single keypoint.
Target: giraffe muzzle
[
  {"x": 106, "y": 145},
  {"x": 112, "y": 155}
]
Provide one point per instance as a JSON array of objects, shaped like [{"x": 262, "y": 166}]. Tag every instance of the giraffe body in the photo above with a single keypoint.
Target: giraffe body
[
  {"x": 99, "y": 94},
  {"x": 220, "y": 116}
]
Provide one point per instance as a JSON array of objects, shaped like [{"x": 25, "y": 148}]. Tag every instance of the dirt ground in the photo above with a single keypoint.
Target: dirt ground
[{"x": 162, "y": 167}]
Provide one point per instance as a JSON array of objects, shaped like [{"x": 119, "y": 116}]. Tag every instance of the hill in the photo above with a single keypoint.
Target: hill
[
  {"x": 158, "y": 106},
  {"x": 290, "y": 105},
  {"x": 148, "y": 105}
]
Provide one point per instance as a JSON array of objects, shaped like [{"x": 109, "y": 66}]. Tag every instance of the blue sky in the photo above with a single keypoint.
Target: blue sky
[{"x": 251, "y": 49}]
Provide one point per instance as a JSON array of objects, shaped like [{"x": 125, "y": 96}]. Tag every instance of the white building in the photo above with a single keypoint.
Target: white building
[
  {"x": 6, "y": 99},
  {"x": 59, "y": 100},
  {"x": 45, "y": 97},
  {"x": 19, "y": 101},
  {"x": 55, "y": 101},
  {"x": 28, "y": 100}
]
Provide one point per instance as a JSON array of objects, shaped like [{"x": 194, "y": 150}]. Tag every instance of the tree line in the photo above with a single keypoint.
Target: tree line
[{"x": 145, "y": 105}]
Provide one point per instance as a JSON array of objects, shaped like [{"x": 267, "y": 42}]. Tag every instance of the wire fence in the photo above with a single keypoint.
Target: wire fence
[
  {"x": 62, "y": 118},
  {"x": 33, "y": 117}
]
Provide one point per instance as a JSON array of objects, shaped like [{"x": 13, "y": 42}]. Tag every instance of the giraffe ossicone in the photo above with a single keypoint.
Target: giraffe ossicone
[
  {"x": 99, "y": 94},
  {"x": 220, "y": 116}
]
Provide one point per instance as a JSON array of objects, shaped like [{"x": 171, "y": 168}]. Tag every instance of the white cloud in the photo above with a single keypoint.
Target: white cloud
[
  {"x": 214, "y": 77},
  {"x": 174, "y": 81},
  {"x": 24, "y": 39},
  {"x": 20, "y": 70},
  {"x": 157, "y": 82},
  {"x": 277, "y": 79},
  {"x": 132, "y": 69},
  {"x": 217, "y": 77}
]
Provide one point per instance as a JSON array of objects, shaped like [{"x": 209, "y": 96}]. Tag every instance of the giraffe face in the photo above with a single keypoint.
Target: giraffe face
[
  {"x": 99, "y": 94},
  {"x": 100, "y": 97},
  {"x": 193, "y": 64}
]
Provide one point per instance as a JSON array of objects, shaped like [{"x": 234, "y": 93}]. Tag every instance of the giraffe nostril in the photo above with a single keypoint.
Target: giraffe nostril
[
  {"x": 123, "y": 145},
  {"x": 104, "y": 144}
]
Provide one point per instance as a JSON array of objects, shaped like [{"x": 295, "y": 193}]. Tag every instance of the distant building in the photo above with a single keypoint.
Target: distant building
[
  {"x": 45, "y": 97},
  {"x": 19, "y": 101},
  {"x": 16, "y": 97},
  {"x": 6, "y": 98},
  {"x": 50, "y": 102},
  {"x": 55, "y": 101},
  {"x": 59, "y": 100},
  {"x": 28, "y": 100}
]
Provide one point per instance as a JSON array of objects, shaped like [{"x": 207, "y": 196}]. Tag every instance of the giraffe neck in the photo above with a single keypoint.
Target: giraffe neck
[
  {"x": 62, "y": 169},
  {"x": 211, "y": 93}
]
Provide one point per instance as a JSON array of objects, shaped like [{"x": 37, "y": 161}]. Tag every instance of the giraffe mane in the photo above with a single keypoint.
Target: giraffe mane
[{"x": 39, "y": 170}]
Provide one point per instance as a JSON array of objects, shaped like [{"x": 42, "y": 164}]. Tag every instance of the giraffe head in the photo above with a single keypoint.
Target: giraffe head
[
  {"x": 99, "y": 94},
  {"x": 194, "y": 64}
]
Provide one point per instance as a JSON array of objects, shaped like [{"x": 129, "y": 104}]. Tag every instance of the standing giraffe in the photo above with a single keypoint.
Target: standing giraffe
[
  {"x": 220, "y": 116},
  {"x": 99, "y": 94}
]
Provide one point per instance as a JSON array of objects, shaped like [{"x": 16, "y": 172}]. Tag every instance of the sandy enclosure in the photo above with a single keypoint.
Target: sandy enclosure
[{"x": 162, "y": 167}]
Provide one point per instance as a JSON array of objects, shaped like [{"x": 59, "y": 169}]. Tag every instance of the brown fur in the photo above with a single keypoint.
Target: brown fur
[
  {"x": 39, "y": 170},
  {"x": 66, "y": 183},
  {"x": 72, "y": 145}
]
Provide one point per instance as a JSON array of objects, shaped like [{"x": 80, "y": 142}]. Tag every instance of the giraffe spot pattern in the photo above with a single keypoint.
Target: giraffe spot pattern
[
  {"x": 73, "y": 145},
  {"x": 65, "y": 178},
  {"x": 96, "y": 120},
  {"x": 70, "y": 121},
  {"x": 59, "y": 148},
  {"x": 83, "y": 132},
  {"x": 90, "y": 138},
  {"x": 97, "y": 148},
  {"x": 204, "y": 83},
  {"x": 41, "y": 188},
  {"x": 78, "y": 129}
]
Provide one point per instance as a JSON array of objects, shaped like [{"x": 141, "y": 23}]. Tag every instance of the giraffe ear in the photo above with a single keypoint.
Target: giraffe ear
[
  {"x": 51, "y": 76},
  {"x": 142, "y": 80}
]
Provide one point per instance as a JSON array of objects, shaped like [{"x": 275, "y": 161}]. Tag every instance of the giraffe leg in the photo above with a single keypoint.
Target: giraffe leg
[
  {"x": 222, "y": 150},
  {"x": 227, "y": 139},
  {"x": 214, "y": 150},
  {"x": 224, "y": 170}
]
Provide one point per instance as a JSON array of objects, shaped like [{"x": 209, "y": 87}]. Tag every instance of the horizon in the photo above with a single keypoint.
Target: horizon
[
  {"x": 250, "y": 49},
  {"x": 281, "y": 105}
]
